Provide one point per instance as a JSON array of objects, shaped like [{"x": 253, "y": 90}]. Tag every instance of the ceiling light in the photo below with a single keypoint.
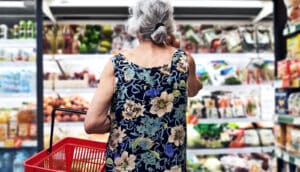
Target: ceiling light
[{"x": 12, "y": 4}]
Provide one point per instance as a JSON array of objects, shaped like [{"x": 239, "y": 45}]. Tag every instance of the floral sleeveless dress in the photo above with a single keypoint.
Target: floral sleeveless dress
[{"x": 149, "y": 131}]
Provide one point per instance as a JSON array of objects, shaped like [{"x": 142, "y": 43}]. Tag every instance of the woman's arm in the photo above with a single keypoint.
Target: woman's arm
[
  {"x": 96, "y": 120},
  {"x": 194, "y": 84}
]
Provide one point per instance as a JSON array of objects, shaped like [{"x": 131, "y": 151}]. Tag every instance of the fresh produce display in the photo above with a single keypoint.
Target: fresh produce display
[
  {"x": 229, "y": 135},
  {"x": 225, "y": 104},
  {"x": 74, "y": 39},
  {"x": 220, "y": 72},
  {"x": 17, "y": 54},
  {"x": 17, "y": 125},
  {"x": 220, "y": 39},
  {"x": 25, "y": 29},
  {"x": 230, "y": 163},
  {"x": 19, "y": 80},
  {"x": 72, "y": 102}
]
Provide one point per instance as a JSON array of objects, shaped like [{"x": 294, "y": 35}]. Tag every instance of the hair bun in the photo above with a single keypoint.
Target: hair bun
[{"x": 159, "y": 36}]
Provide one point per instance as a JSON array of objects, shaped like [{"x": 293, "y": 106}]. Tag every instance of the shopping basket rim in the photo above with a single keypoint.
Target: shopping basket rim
[{"x": 44, "y": 154}]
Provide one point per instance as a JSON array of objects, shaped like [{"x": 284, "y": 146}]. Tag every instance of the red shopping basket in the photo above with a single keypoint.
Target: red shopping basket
[{"x": 69, "y": 154}]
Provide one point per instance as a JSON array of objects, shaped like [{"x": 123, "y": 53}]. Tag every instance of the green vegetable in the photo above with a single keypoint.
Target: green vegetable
[
  {"x": 232, "y": 81},
  {"x": 83, "y": 48}
]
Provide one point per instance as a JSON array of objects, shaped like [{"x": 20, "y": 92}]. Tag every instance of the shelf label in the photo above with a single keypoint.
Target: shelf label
[
  {"x": 286, "y": 157},
  {"x": 297, "y": 162},
  {"x": 9, "y": 143}
]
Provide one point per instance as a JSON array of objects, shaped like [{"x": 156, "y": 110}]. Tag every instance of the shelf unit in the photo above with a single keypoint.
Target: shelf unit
[
  {"x": 25, "y": 144},
  {"x": 287, "y": 157},
  {"x": 17, "y": 43},
  {"x": 288, "y": 119},
  {"x": 220, "y": 151},
  {"x": 230, "y": 120}
]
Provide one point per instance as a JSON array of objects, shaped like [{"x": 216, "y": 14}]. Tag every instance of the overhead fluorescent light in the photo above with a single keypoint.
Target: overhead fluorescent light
[
  {"x": 12, "y": 4},
  {"x": 176, "y": 3}
]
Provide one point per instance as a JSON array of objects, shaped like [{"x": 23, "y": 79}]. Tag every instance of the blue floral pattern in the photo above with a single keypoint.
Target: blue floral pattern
[{"x": 149, "y": 131}]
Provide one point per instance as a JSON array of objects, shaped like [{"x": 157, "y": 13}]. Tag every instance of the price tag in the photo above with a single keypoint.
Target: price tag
[
  {"x": 297, "y": 162},
  {"x": 292, "y": 29},
  {"x": 286, "y": 157},
  {"x": 296, "y": 121},
  {"x": 9, "y": 143}
]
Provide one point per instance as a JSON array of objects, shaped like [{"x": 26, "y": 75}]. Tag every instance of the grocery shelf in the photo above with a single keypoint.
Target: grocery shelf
[
  {"x": 284, "y": 155},
  {"x": 64, "y": 124},
  {"x": 9, "y": 64},
  {"x": 234, "y": 56},
  {"x": 198, "y": 56},
  {"x": 17, "y": 43},
  {"x": 288, "y": 119},
  {"x": 216, "y": 151},
  {"x": 70, "y": 91},
  {"x": 229, "y": 120},
  {"x": 25, "y": 144},
  {"x": 81, "y": 57}
]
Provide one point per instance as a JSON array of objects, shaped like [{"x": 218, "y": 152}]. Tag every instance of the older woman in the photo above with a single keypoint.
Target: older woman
[{"x": 146, "y": 89}]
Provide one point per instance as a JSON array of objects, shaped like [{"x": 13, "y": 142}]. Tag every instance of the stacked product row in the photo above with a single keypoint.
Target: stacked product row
[
  {"x": 231, "y": 163},
  {"x": 18, "y": 125},
  {"x": 230, "y": 135},
  {"x": 75, "y": 39},
  {"x": 25, "y": 29}
]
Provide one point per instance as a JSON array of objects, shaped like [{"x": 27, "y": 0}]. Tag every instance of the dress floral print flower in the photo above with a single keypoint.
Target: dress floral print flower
[{"x": 149, "y": 131}]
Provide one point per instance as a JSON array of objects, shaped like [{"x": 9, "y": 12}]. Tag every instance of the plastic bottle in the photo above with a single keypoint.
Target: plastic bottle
[
  {"x": 18, "y": 162},
  {"x": 3, "y": 31},
  {"x": 30, "y": 29},
  {"x": 13, "y": 124},
  {"x": 22, "y": 29},
  {"x": 7, "y": 162}
]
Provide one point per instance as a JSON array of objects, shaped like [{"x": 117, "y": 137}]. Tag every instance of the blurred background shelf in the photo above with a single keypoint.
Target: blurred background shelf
[
  {"x": 287, "y": 157},
  {"x": 25, "y": 144},
  {"x": 17, "y": 43},
  {"x": 22, "y": 64},
  {"x": 229, "y": 120},
  {"x": 288, "y": 119},
  {"x": 217, "y": 151}
]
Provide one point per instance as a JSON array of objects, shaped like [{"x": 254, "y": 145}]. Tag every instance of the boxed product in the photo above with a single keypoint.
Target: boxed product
[
  {"x": 251, "y": 138},
  {"x": 266, "y": 137},
  {"x": 287, "y": 101},
  {"x": 293, "y": 139}
]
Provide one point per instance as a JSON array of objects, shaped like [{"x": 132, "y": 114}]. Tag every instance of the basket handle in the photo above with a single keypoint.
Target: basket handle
[{"x": 53, "y": 121}]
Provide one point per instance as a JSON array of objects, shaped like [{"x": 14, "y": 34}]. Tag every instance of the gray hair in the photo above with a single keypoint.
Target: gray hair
[{"x": 152, "y": 19}]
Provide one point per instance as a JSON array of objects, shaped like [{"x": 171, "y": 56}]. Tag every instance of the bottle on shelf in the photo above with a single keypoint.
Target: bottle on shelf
[
  {"x": 3, "y": 31},
  {"x": 22, "y": 29},
  {"x": 7, "y": 162},
  {"x": 13, "y": 124},
  {"x": 4, "y": 114},
  {"x": 25, "y": 117},
  {"x": 18, "y": 162}
]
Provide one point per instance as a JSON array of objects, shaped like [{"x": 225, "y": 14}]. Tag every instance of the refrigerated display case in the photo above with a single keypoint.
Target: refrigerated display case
[{"x": 18, "y": 77}]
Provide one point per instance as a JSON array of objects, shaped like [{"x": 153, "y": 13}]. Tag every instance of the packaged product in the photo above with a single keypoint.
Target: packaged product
[
  {"x": 280, "y": 135},
  {"x": 294, "y": 69},
  {"x": 233, "y": 40},
  {"x": 13, "y": 124},
  {"x": 251, "y": 137},
  {"x": 293, "y": 139},
  {"x": 224, "y": 107},
  {"x": 266, "y": 137},
  {"x": 293, "y": 46},
  {"x": 211, "y": 110},
  {"x": 294, "y": 104},
  {"x": 283, "y": 70},
  {"x": 237, "y": 139},
  {"x": 197, "y": 108},
  {"x": 237, "y": 105},
  {"x": 3, "y": 31},
  {"x": 252, "y": 105},
  {"x": 264, "y": 38},
  {"x": 281, "y": 104},
  {"x": 248, "y": 39},
  {"x": 4, "y": 115}
]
